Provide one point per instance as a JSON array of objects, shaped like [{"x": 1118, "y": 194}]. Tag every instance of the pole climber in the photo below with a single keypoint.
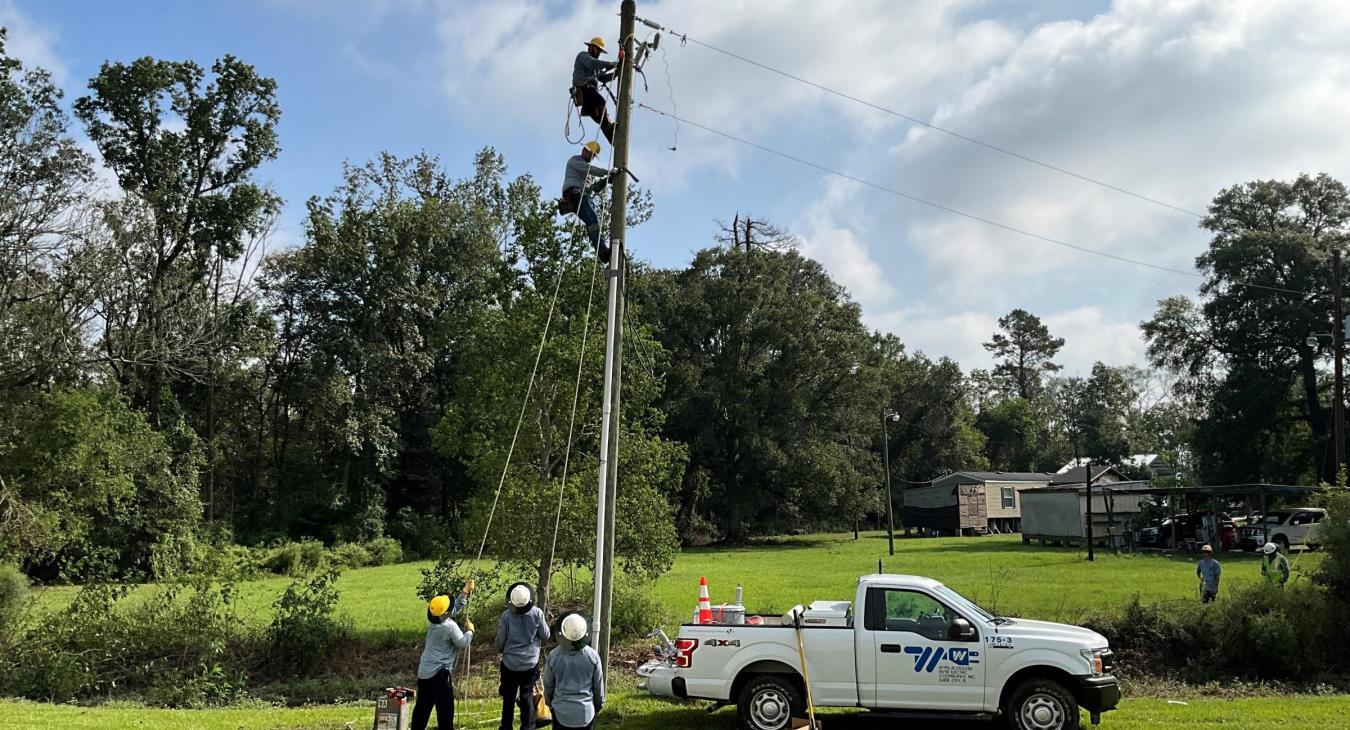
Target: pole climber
[
  {"x": 588, "y": 72},
  {"x": 576, "y": 194}
]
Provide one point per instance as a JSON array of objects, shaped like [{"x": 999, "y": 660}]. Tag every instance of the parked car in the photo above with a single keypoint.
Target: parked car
[
  {"x": 1189, "y": 526},
  {"x": 1286, "y": 528}
]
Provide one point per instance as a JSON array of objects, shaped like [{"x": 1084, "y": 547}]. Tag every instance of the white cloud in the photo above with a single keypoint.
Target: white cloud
[
  {"x": 31, "y": 43},
  {"x": 1090, "y": 336},
  {"x": 831, "y": 235}
]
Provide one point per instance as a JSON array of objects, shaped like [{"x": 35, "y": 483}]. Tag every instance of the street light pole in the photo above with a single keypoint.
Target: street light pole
[{"x": 888, "y": 415}]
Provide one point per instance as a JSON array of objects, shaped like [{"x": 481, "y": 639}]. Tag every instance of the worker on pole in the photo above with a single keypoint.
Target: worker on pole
[
  {"x": 580, "y": 180},
  {"x": 574, "y": 683},
  {"x": 588, "y": 73},
  {"x": 1274, "y": 565},
  {"x": 435, "y": 686},
  {"x": 521, "y": 631},
  {"x": 1208, "y": 570}
]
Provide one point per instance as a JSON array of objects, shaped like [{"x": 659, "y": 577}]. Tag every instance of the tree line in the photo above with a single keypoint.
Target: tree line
[{"x": 168, "y": 381}]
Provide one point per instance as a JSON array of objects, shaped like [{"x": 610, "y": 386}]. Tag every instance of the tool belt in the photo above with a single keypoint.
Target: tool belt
[{"x": 570, "y": 201}]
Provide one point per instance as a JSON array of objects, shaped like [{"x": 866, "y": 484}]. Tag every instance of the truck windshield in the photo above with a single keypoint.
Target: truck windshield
[{"x": 962, "y": 602}]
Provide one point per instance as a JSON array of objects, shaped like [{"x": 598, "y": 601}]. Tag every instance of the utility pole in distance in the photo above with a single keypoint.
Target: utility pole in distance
[
  {"x": 888, "y": 415},
  {"x": 614, "y": 273},
  {"x": 1337, "y": 353},
  {"x": 1087, "y": 484}
]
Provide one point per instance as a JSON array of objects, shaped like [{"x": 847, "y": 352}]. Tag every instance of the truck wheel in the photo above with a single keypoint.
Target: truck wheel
[
  {"x": 1282, "y": 543},
  {"x": 767, "y": 703},
  {"x": 1042, "y": 704}
]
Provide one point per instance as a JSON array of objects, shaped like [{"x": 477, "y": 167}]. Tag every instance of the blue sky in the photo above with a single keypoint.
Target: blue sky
[{"x": 1170, "y": 98}]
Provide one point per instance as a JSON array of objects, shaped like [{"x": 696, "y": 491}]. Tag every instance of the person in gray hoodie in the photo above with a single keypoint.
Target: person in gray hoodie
[
  {"x": 574, "y": 683},
  {"x": 435, "y": 686},
  {"x": 520, "y": 632}
]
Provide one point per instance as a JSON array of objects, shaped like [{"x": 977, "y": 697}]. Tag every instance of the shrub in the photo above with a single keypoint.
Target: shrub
[
  {"x": 635, "y": 612},
  {"x": 384, "y": 551},
  {"x": 1254, "y": 632},
  {"x": 305, "y": 629},
  {"x": 351, "y": 555},
  {"x": 1334, "y": 535},
  {"x": 177, "y": 648},
  {"x": 13, "y": 597},
  {"x": 295, "y": 558}
]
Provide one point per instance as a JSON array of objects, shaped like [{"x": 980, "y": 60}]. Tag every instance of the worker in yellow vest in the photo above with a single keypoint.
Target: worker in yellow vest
[{"x": 1274, "y": 565}]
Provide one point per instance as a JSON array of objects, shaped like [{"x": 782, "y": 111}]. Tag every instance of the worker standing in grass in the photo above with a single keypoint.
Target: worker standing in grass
[
  {"x": 435, "y": 686},
  {"x": 1208, "y": 570},
  {"x": 521, "y": 631},
  {"x": 1274, "y": 565},
  {"x": 577, "y": 192},
  {"x": 588, "y": 72},
  {"x": 574, "y": 684}
]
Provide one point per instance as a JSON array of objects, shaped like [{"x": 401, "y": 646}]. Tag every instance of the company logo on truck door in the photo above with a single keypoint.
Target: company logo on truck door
[{"x": 926, "y": 658}]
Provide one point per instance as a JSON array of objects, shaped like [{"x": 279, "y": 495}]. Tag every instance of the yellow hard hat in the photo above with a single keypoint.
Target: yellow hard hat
[
  {"x": 593, "y": 146},
  {"x": 439, "y": 605},
  {"x": 598, "y": 42}
]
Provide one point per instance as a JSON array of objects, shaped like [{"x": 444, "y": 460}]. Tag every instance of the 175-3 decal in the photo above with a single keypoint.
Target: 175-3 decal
[{"x": 994, "y": 641}]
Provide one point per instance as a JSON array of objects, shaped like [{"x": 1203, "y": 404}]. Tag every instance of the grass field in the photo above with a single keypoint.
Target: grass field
[
  {"x": 1000, "y": 572},
  {"x": 997, "y": 571},
  {"x": 635, "y": 712}
]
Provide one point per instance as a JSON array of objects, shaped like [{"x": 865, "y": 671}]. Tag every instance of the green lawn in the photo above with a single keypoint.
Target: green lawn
[
  {"x": 634, "y": 712},
  {"x": 997, "y": 571}
]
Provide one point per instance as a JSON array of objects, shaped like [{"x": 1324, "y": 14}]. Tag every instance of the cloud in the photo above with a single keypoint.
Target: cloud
[
  {"x": 831, "y": 236},
  {"x": 1090, "y": 336},
  {"x": 30, "y": 42}
]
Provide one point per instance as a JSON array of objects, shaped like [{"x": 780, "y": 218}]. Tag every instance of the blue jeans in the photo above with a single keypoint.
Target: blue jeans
[{"x": 586, "y": 212}]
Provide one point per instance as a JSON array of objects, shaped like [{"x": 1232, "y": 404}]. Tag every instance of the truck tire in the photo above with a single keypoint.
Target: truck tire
[
  {"x": 1282, "y": 543},
  {"x": 768, "y": 702},
  {"x": 1042, "y": 704}
]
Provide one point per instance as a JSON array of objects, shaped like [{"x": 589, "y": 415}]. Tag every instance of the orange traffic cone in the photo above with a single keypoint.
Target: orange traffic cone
[{"x": 704, "y": 604}]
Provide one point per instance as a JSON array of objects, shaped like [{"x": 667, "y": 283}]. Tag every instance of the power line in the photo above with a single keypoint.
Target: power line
[
  {"x": 949, "y": 209},
  {"x": 929, "y": 125}
]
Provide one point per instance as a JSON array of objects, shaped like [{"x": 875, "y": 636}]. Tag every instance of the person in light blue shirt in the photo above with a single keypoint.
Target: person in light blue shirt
[
  {"x": 574, "y": 684},
  {"x": 521, "y": 631},
  {"x": 435, "y": 686},
  {"x": 1208, "y": 570}
]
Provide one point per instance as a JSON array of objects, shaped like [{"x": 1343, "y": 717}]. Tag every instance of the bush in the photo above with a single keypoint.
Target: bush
[
  {"x": 384, "y": 551},
  {"x": 635, "y": 612},
  {"x": 351, "y": 555},
  {"x": 13, "y": 598},
  {"x": 1254, "y": 632},
  {"x": 295, "y": 558},
  {"x": 305, "y": 629},
  {"x": 1335, "y": 538},
  {"x": 177, "y": 648}
]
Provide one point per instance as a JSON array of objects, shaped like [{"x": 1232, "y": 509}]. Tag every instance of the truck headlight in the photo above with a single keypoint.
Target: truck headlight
[{"x": 1094, "y": 660}]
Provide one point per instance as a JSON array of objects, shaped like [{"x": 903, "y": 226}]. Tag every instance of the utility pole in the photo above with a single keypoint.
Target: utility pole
[
  {"x": 888, "y": 415},
  {"x": 1087, "y": 484},
  {"x": 1338, "y": 348},
  {"x": 614, "y": 273}
]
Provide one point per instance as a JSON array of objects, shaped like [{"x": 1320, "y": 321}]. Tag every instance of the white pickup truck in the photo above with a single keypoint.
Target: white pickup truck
[{"x": 919, "y": 649}]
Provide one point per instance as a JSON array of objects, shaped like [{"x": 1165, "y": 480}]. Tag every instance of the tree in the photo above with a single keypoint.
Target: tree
[
  {"x": 1242, "y": 351},
  {"x": 185, "y": 155},
  {"x": 767, "y": 387},
  {"x": 1098, "y": 414},
  {"x": 44, "y": 181},
  {"x": 1025, "y": 350}
]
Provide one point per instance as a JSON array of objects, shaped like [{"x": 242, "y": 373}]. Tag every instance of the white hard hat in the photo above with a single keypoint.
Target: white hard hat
[
  {"x": 520, "y": 596},
  {"x": 1206, "y": 549},
  {"x": 1268, "y": 548},
  {"x": 574, "y": 627}
]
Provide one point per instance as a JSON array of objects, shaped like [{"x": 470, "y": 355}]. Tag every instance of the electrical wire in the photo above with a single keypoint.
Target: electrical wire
[
  {"x": 930, "y": 125},
  {"x": 949, "y": 209}
]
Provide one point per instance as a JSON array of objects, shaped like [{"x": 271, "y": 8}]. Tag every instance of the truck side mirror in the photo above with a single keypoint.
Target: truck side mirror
[{"x": 961, "y": 630}]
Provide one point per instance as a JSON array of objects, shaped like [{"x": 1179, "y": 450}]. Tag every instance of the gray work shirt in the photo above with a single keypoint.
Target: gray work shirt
[
  {"x": 444, "y": 640},
  {"x": 574, "y": 686},
  {"x": 1208, "y": 570},
  {"x": 587, "y": 71},
  {"x": 519, "y": 636},
  {"x": 577, "y": 170}
]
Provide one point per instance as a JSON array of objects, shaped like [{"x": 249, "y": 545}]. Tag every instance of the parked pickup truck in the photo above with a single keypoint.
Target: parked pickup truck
[{"x": 920, "y": 649}]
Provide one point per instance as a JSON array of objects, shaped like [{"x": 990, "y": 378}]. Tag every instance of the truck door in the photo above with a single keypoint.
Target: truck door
[{"x": 919, "y": 662}]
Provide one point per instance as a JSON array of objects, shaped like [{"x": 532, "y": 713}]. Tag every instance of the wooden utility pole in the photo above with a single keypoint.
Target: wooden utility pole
[
  {"x": 614, "y": 273},
  {"x": 1337, "y": 351}
]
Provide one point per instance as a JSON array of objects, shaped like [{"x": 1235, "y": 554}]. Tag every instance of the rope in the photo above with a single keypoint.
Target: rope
[{"x": 576, "y": 396}]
